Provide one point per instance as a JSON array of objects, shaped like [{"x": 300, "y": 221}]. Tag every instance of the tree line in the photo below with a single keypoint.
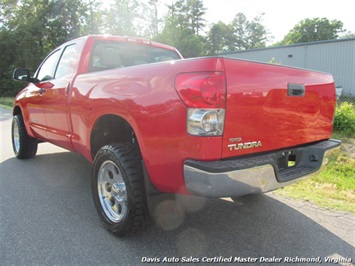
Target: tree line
[{"x": 30, "y": 29}]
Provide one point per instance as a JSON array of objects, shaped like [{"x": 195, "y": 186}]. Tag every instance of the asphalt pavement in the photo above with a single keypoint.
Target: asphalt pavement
[{"x": 47, "y": 217}]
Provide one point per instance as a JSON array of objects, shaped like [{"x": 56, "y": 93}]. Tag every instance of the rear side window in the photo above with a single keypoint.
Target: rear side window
[
  {"x": 109, "y": 55},
  {"x": 67, "y": 62}
]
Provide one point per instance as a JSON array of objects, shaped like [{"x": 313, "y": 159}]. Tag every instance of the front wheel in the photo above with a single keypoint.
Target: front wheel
[
  {"x": 23, "y": 145},
  {"x": 118, "y": 189}
]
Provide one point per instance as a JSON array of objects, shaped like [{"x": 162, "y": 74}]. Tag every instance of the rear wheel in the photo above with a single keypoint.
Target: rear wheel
[
  {"x": 118, "y": 189},
  {"x": 23, "y": 145}
]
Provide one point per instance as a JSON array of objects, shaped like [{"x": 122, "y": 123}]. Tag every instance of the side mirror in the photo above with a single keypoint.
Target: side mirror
[{"x": 21, "y": 74}]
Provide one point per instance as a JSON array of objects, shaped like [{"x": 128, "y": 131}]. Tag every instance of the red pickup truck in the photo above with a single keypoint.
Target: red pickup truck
[{"x": 151, "y": 121}]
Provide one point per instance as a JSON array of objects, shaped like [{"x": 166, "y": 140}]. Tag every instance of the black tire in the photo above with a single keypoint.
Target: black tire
[
  {"x": 118, "y": 189},
  {"x": 23, "y": 145}
]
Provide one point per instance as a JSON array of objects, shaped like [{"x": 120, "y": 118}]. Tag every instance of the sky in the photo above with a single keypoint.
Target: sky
[{"x": 281, "y": 15}]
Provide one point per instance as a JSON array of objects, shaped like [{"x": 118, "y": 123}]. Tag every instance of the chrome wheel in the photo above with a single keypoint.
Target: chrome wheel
[
  {"x": 23, "y": 145},
  {"x": 16, "y": 137},
  {"x": 118, "y": 189},
  {"x": 112, "y": 192}
]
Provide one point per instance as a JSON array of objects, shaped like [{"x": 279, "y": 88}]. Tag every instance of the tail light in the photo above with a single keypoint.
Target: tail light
[
  {"x": 202, "y": 89},
  {"x": 204, "y": 94}
]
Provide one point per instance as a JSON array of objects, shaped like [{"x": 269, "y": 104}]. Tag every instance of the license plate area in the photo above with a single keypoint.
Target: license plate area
[
  {"x": 286, "y": 159},
  {"x": 296, "y": 162}
]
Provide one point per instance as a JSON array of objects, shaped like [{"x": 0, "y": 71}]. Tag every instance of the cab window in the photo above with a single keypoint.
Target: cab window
[
  {"x": 47, "y": 69},
  {"x": 67, "y": 62},
  {"x": 108, "y": 55}
]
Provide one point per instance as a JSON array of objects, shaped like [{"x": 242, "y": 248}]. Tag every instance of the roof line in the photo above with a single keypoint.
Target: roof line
[{"x": 287, "y": 46}]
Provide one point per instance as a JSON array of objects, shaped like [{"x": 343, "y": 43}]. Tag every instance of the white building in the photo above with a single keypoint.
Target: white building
[{"x": 334, "y": 56}]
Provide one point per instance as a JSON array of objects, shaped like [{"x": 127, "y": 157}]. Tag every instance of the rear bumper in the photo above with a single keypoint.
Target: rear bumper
[{"x": 258, "y": 174}]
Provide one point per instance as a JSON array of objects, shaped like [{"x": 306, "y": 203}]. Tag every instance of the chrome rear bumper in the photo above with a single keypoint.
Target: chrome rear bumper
[{"x": 258, "y": 174}]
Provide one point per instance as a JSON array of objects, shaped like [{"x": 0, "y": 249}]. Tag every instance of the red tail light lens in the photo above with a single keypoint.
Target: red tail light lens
[{"x": 202, "y": 89}]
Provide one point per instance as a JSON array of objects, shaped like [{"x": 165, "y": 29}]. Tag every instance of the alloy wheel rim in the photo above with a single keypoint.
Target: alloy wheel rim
[
  {"x": 112, "y": 192},
  {"x": 16, "y": 137}
]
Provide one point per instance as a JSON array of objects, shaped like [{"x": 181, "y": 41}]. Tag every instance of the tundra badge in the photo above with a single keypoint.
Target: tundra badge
[{"x": 245, "y": 145}]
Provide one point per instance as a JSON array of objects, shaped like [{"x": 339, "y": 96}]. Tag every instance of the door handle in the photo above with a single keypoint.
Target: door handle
[
  {"x": 41, "y": 90},
  {"x": 294, "y": 89}
]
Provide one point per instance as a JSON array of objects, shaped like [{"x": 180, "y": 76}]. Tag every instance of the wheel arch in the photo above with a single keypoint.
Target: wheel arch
[
  {"x": 108, "y": 129},
  {"x": 17, "y": 111}
]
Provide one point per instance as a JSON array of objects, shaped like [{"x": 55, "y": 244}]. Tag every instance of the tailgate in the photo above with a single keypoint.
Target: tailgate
[{"x": 271, "y": 107}]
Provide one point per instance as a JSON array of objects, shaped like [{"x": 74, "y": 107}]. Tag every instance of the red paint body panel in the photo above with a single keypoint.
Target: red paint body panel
[
  {"x": 260, "y": 109},
  {"x": 257, "y": 109},
  {"x": 145, "y": 96}
]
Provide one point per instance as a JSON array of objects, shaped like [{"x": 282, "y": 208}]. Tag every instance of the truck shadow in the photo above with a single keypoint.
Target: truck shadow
[{"x": 53, "y": 192}]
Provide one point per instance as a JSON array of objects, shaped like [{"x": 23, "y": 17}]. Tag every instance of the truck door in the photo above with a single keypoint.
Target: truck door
[
  {"x": 35, "y": 92},
  {"x": 55, "y": 97}
]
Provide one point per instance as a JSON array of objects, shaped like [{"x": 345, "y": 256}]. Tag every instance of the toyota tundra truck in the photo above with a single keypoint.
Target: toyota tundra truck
[{"x": 152, "y": 122}]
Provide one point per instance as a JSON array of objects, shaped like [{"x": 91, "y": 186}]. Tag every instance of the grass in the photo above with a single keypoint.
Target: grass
[
  {"x": 344, "y": 137},
  {"x": 334, "y": 188},
  {"x": 6, "y": 101}
]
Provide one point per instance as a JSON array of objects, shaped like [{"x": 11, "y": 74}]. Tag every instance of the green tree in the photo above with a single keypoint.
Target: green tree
[
  {"x": 31, "y": 28},
  {"x": 347, "y": 34},
  {"x": 93, "y": 17},
  {"x": 8, "y": 55},
  {"x": 177, "y": 14},
  {"x": 188, "y": 14},
  {"x": 188, "y": 43},
  {"x": 154, "y": 20},
  {"x": 182, "y": 27},
  {"x": 64, "y": 20},
  {"x": 220, "y": 38},
  {"x": 316, "y": 29},
  {"x": 122, "y": 17},
  {"x": 249, "y": 34},
  {"x": 25, "y": 22},
  {"x": 240, "y": 34},
  {"x": 195, "y": 14}
]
